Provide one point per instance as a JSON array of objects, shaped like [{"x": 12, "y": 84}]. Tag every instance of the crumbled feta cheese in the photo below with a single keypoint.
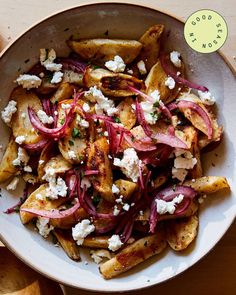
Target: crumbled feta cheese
[
  {"x": 149, "y": 108},
  {"x": 105, "y": 133},
  {"x": 116, "y": 211},
  {"x": 164, "y": 207},
  {"x": 57, "y": 77},
  {"x": 117, "y": 65},
  {"x": 55, "y": 113},
  {"x": 82, "y": 230},
  {"x": 86, "y": 107},
  {"x": 126, "y": 207},
  {"x": 29, "y": 81},
  {"x": 184, "y": 163},
  {"x": 72, "y": 155},
  {"x": 193, "y": 180},
  {"x": 130, "y": 72},
  {"x": 114, "y": 243},
  {"x": 41, "y": 75},
  {"x": 57, "y": 187},
  {"x": 23, "y": 115},
  {"x": 41, "y": 162},
  {"x": 129, "y": 164},
  {"x": 39, "y": 197},
  {"x": 8, "y": 111},
  {"x": 65, "y": 106},
  {"x": 22, "y": 157},
  {"x": 13, "y": 184},
  {"x": 109, "y": 157},
  {"x": 206, "y": 97},
  {"x": 179, "y": 174},
  {"x": 27, "y": 169},
  {"x": 99, "y": 255},
  {"x": 85, "y": 182},
  {"x": 43, "y": 226},
  {"x": 178, "y": 73},
  {"x": 155, "y": 95},
  {"x": 84, "y": 123},
  {"x": 170, "y": 82},
  {"x": 115, "y": 189},
  {"x": 20, "y": 139},
  {"x": 103, "y": 103},
  {"x": 44, "y": 118},
  {"x": 175, "y": 58},
  {"x": 119, "y": 200},
  {"x": 141, "y": 213},
  {"x": 141, "y": 67},
  {"x": 47, "y": 60}
]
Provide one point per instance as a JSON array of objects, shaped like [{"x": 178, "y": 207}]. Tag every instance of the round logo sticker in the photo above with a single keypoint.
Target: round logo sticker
[{"x": 205, "y": 31}]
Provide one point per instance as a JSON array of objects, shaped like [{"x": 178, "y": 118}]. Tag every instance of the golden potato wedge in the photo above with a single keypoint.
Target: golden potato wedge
[
  {"x": 21, "y": 125},
  {"x": 46, "y": 154},
  {"x": 73, "y": 78},
  {"x": 114, "y": 84},
  {"x": 7, "y": 169},
  {"x": 69, "y": 221},
  {"x": 98, "y": 160},
  {"x": 133, "y": 254},
  {"x": 151, "y": 45},
  {"x": 33, "y": 202},
  {"x": 30, "y": 178},
  {"x": 208, "y": 184},
  {"x": 156, "y": 81},
  {"x": 76, "y": 138},
  {"x": 46, "y": 87},
  {"x": 217, "y": 135},
  {"x": 68, "y": 244},
  {"x": 99, "y": 242},
  {"x": 180, "y": 233},
  {"x": 105, "y": 49},
  {"x": 196, "y": 172},
  {"x": 126, "y": 187},
  {"x": 59, "y": 164},
  {"x": 64, "y": 91},
  {"x": 126, "y": 113}
]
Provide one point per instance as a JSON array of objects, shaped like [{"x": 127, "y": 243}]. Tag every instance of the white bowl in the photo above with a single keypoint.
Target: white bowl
[{"x": 216, "y": 214}]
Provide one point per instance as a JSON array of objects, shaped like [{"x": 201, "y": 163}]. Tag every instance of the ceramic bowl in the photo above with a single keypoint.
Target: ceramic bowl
[{"x": 217, "y": 212}]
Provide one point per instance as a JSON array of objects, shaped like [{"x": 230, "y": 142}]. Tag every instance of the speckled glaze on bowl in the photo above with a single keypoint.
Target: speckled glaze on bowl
[{"x": 218, "y": 211}]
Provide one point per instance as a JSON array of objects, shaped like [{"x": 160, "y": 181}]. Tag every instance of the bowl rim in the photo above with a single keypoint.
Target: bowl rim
[{"x": 89, "y": 3}]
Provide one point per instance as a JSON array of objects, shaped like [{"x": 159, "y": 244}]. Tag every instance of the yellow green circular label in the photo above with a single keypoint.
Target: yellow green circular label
[{"x": 205, "y": 31}]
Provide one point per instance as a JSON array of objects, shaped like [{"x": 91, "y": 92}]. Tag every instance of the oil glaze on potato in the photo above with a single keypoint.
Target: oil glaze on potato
[
  {"x": 126, "y": 113},
  {"x": 105, "y": 49},
  {"x": 64, "y": 91},
  {"x": 21, "y": 125},
  {"x": 59, "y": 164}
]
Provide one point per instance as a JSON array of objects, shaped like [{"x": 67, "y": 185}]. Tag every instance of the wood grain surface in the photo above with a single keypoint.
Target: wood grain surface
[{"x": 215, "y": 273}]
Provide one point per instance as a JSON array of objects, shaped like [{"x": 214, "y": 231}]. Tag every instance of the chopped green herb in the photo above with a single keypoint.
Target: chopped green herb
[
  {"x": 71, "y": 142},
  {"x": 96, "y": 200},
  {"x": 81, "y": 158},
  {"x": 96, "y": 67},
  {"x": 76, "y": 133},
  {"x": 117, "y": 120},
  {"x": 62, "y": 121},
  {"x": 132, "y": 138},
  {"x": 48, "y": 77},
  {"x": 82, "y": 173},
  {"x": 156, "y": 104}
]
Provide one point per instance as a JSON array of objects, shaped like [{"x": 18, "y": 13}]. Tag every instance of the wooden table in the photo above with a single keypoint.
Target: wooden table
[{"x": 216, "y": 273}]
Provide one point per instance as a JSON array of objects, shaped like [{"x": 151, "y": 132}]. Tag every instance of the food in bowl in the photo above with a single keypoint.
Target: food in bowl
[{"x": 109, "y": 143}]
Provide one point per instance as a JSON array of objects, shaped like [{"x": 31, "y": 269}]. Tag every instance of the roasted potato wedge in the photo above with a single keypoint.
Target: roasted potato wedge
[
  {"x": 133, "y": 254},
  {"x": 33, "y": 202},
  {"x": 126, "y": 187},
  {"x": 208, "y": 184},
  {"x": 151, "y": 45},
  {"x": 69, "y": 221},
  {"x": 21, "y": 125},
  {"x": 180, "y": 233},
  {"x": 114, "y": 84},
  {"x": 7, "y": 169},
  {"x": 64, "y": 91},
  {"x": 103, "y": 50},
  {"x": 98, "y": 160},
  {"x": 46, "y": 154},
  {"x": 59, "y": 164},
  {"x": 68, "y": 244},
  {"x": 126, "y": 113},
  {"x": 73, "y": 78},
  {"x": 99, "y": 242},
  {"x": 46, "y": 87}
]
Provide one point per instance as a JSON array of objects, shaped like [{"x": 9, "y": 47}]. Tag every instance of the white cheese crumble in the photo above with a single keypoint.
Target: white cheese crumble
[
  {"x": 175, "y": 58},
  {"x": 84, "y": 123},
  {"x": 86, "y": 107},
  {"x": 99, "y": 255},
  {"x": 141, "y": 67},
  {"x": 41, "y": 162},
  {"x": 115, "y": 189},
  {"x": 126, "y": 207},
  {"x": 119, "y": 200},
  {"x": 206, "y": 97},
  {"x": 44, "y": 118},
  {"x": 65, "y": 106},
  {"x": 39, "y": 197},
  {"x": 47, "y": 60},
  {"x": 72, "y": 155},
  {"x": 114, "y": 243},
  {"x": 116, "y": 211},
  {"x": 82, "y": 230},
  {"x": 164, "y": 207},
  {"x": 103, "y": 103},
  {"x": 170, "y": 82},
  {"x": 27, "y": 169},
  {"x": 29, "y": 81},
  {"x": 23, "y": 115},
  {"x": 13, "y": 184},
  {"x": 22, "y": 157},
  {"x": 117, "y": 65},
  {"x": 56, "y": 188},
  {"x": 20, "y": 139},
  {"x": 130, "y": 72},
  {"x": 57, "y": 77},
  {"x": 43, "y": 226},
  {"x": 149, "y": 108},
  {"x": 8, "y": 111},
  {"x": 85, "y": 182},
  {"x": 179, "y": 174},
  {"x": 129, "y": 164}
]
